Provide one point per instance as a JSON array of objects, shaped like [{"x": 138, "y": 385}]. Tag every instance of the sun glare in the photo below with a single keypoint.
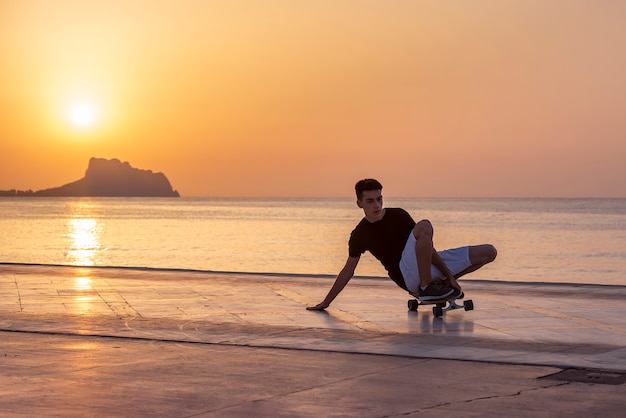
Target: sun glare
[{"x": 82, "y": 114}]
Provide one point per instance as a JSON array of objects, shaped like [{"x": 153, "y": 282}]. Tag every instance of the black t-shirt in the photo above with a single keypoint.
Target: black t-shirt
[{"x": 384, "y": 239}]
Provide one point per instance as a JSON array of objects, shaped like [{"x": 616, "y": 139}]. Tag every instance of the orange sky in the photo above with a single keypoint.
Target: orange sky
[{"x": 302, "y": 98}]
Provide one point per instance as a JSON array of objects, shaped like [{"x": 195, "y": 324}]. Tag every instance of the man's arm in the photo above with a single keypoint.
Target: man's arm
[{"x": 341, "y": 281}]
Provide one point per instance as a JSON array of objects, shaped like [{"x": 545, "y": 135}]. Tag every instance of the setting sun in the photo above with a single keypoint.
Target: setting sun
[{"x": 82, "y": 114}]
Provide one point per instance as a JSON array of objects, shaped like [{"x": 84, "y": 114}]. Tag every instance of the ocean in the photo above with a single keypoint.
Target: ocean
[{"x": 538, "y": 240}]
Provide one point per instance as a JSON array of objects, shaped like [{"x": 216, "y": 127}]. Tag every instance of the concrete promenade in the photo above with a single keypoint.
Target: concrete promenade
[{"x": 80, "y": 342}]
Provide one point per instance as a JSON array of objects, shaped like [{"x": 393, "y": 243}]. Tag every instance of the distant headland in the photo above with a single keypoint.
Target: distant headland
[{"x": 107, "y": 178}]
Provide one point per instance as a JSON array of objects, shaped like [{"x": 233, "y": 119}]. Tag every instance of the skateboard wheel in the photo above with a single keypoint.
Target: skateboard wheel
[
  {"x": 413, "y": 305},
  {"x": 468, "y": 305},
  {"x": 437, "y": 311}
]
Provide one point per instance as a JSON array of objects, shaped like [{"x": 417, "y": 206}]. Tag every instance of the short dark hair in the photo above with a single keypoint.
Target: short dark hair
[{"x": 365, "y": 185}]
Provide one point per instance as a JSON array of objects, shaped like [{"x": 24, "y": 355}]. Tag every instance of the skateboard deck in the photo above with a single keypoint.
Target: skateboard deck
[{"x": 440, "y": 304}]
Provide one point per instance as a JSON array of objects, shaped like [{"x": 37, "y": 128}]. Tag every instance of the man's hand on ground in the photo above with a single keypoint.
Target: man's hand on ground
[{"x": 318, "y": 307}]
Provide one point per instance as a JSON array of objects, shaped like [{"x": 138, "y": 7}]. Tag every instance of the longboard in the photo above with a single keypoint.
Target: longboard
[{"x": 440, "y": 305}]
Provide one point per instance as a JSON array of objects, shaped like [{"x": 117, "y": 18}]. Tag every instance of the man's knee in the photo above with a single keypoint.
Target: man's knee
[
  {"x": 423, "y": 229},
  {"x": 483, "y": 254},
  {"x": 491, "y": 253}
]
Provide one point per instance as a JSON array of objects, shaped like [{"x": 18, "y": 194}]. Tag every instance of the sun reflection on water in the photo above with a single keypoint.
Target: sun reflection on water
[{"x": 84, "y": 238}]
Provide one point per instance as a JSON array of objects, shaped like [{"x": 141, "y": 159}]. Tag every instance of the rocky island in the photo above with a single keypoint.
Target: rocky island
[{"x": 108, "y": 178}]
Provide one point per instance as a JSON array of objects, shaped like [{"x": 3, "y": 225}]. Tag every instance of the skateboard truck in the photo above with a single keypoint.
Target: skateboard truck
[{"x": 440, "y": 305}]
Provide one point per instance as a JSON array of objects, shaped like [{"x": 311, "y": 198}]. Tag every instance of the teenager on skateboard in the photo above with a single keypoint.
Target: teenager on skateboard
[{"x": 405, "y": 248}]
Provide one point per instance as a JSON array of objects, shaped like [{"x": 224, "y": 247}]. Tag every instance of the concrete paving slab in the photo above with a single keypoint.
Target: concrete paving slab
[{"x": 131, "y": 342}]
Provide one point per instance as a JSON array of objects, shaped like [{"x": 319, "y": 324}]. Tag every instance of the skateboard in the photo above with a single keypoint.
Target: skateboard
[{"x": 440, "y": 305}]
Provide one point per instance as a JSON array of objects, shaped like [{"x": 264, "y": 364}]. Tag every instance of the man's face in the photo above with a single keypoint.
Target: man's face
[{"x": 372, "y": 205}]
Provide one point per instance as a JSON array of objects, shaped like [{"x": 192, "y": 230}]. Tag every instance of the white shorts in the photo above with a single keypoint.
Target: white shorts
[{"x": 456, "y": 259}]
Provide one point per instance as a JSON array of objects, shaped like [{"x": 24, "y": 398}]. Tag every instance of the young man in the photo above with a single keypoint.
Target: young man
[{"x": 406, "y": 250}]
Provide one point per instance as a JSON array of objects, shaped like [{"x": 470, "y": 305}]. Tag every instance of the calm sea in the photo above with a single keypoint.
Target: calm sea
[{"x": 539, "y": 240}]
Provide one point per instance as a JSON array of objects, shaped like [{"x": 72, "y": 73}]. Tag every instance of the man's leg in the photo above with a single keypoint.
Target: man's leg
[
  {"x": 423, "y": 233},
  {"x": 479, "y": 255},
  {"x": 424, "y": 252}
]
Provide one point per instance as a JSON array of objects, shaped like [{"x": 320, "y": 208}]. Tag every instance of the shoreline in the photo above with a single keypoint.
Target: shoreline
[{"x": 301, "y": 275}]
